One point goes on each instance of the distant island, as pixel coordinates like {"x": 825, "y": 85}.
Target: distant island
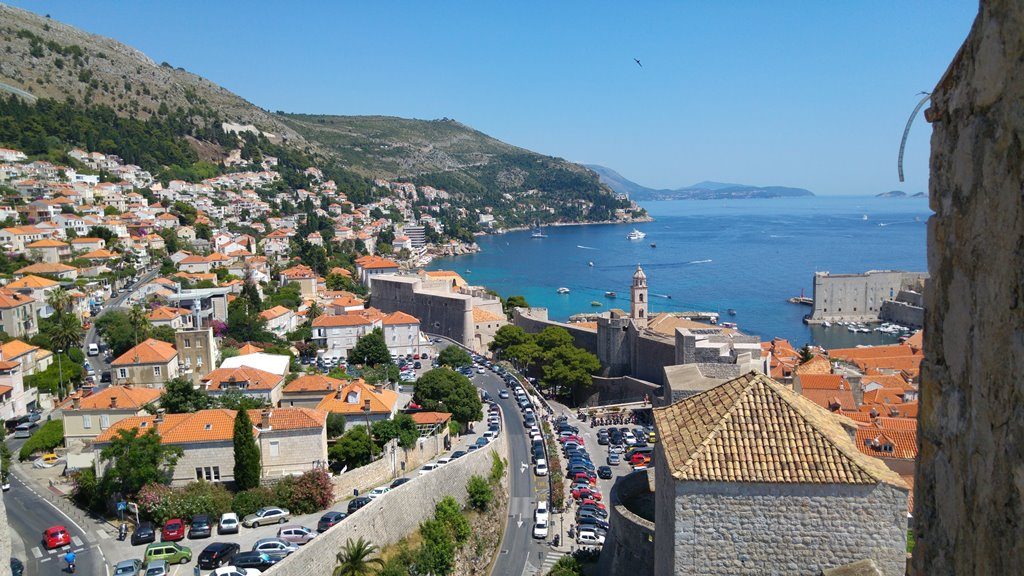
{"x": 900, "y": 194}
{"x": 700, "y": 191}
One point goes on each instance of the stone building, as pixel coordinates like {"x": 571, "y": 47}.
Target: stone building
{"x": 150, "y": 363}
{"x": 860, "y": 297}
{"x": 751, "y": 478}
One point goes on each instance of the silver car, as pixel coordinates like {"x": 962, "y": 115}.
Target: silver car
{"x": 274, "y": 547}
{"x": 266, "y": 515}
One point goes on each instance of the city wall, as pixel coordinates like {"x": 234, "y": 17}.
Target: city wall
{"x": 629, "y": 546}
{"x": 535, "y": 320}
{"x": 616, "y": 390}
{"x": 450, "y": 315}
{"x": 650, "y": 355}
{"x": 391, "y": 517}
{"x": 859, "y": 297}
{"x": 395, "y": 462}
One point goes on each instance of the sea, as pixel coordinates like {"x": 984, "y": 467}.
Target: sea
{"x": 711, "y": 255}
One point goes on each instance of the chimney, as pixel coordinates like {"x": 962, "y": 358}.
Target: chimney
{"x": 159, "y": 415}
{"x": 113, "y": 401}
{"x": 76, "y": 402}
{"x": 265, "y": 420}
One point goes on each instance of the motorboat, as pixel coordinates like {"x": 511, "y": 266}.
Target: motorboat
{"x": 563, "y": 290}
{"x": 538, "y": 233}
{"x": 636, "y": 235}
{"x": 653, "y": 245}
{"x": 595, "y": 304}
{"x": 591, "y": 263}
{"x": 610, "y": 294}
{"x": 731, "y": 311}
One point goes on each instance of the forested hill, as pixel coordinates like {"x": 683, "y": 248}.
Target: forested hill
{"x": 58, "y": 62}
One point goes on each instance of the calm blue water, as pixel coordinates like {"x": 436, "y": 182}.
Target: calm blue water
{"x": 750, "y": 255}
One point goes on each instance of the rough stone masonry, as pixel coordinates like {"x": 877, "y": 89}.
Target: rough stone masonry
{"x": 969, "y": 506}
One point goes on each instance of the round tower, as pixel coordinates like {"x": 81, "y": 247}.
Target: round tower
{"x": 638, "y": 298}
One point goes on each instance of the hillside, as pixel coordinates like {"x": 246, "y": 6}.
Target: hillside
{"x": 701, "y": 191}
{"x": 50, "y": 60}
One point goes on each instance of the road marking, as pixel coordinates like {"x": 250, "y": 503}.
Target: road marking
{"x": 76, "y": 540}
{"x": 37, "y": 553}
{"x": 47, "y": 559}
{"x": 102, "y": 534}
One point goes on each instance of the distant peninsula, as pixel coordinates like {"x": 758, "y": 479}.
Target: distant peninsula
{"x": 700, "y": 191}
{"x": 900, "y": 194}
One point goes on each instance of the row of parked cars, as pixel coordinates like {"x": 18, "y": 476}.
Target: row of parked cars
{"x": 591, "y": 513}
{"x": 632, "y": 446}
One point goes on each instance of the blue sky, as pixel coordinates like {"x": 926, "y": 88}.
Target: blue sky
{"x": 809, "y": 94}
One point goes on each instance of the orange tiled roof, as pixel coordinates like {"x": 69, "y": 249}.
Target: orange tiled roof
{"x": 347, "y": 301}
{"x": 215, "y": 425}
{"x": 381, "y": 401}
{"x": 854, "y": 354}
{"x": 45, "y": 268}
{"x": 149, "y": 351}
{"x": 830, "y": 399}
{"x": 823, "y": 382}
{"x": 916, "y": 341}
{"x": 299, "y": 271}
{"x": 275, "y": 312}
{"x": 33, "y": 283}
{"x": 753, "y": 429}
{"x": 47, "y": 243}
{"x": 15, "y": 348}
{"x": 324, "y": 321}
{"x": 249, "y": 348}
{"x": 313, "y": 383}
{"x": 886, "y": 381}
{"x": 11, "y": 299}
{"x": 126, "y": 398}
{"x": 101, "y": 254}
{"x": 910, "y": 365}
{"x": 375, "y": 262}
{"x": 167, "y": 313}
{"x": 482, "y": 315}
{"x": 816, "y": 365}
{"x": 255, "y": 379}
{"x": 884, "y": 396}
{"x": 400, "y": 317}
{"x": 887, "y": 443}
{"x": 430, "y": 418}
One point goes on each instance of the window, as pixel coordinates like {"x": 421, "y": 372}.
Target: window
{"x": 104, "y": 421}
{"x": 156, "y": 371}
{"x": 86, "y": 421}
{"x": 188, "y": 343}
{"x": 274, "y": 447}
{"x": 122, "y": 372}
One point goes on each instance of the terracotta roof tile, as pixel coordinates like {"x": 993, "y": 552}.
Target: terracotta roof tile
{"x": 254, "y": 379}
{"x": 381, "y": 401}
{"x": 33, "y": 283}
{"x": 125, "y": 398}
{"x": 430, "y": 418}
{"x": 15, "y": 348}
{"x": 313, "y": 383}
{"x": 325, "y": 321}
{"x": 482, "y": 315}
{"x": 275, "y": 312}
{"x": 823, "y": 382}
{"x": 753, "y": 429}
{"x": 400, "y": 317}
{"x": 149, "y": 351}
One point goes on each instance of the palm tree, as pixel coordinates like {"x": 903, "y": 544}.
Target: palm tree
{"x": 355, "y": 559}
{"x": 59, "y": 300}
{"x": 139, "y": 323}
{"x": 66, "y": 333}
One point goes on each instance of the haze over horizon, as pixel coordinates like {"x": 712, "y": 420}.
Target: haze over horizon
{"x": 803, "y": 95}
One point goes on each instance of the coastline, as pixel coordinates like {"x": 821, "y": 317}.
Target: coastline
{"x": 561, "y": 224}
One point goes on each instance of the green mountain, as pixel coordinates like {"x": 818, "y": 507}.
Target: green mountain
{"x": 50, "y": 61}
{"x": 706, "y": 190}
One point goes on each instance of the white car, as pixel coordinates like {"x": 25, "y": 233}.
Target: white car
{"x": 589, "y": 538}
{"x": 540, "y": 529}
{"x": 429, "y": 468}
{"x": 534, "y": 430}
{"x": 378, "y": 492}
{"x": 232, "y": 571}
{"x": 541, "y": 468}
{"x": 490, "y": 434}
{"x": 541, "y": 513}
{"x": 228, "y": 523}
{"x": 443, "y": 461}
{"x": 536, "y": 437}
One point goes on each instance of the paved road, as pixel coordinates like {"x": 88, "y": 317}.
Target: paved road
{"x": 91, "y": 337}
{"x": 28, "y": 514}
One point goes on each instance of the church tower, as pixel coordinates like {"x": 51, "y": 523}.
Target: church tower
{"x": 638, "y": 298}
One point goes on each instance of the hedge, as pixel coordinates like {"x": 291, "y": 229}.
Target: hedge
{"x": 48, "y": 437}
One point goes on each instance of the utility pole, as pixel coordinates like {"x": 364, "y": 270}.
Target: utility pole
{"x": 369, "y": 431}
{"x": 60, "y": 375}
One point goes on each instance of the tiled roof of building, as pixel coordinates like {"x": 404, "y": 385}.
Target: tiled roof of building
{"x": 253, "y": 378}
{"x": 350, "y": 398}
{"x": 375, "y": 262}
{"x": 886, "y": 381}
{"x": 823, "y": 382}
{"x": 167, "y": 313}
{"x": 119, "y": 398}
{"x": 818, "y": 364}
{"x": 916, "y": 341}
{"x": 101, "y": 254}
{"x": 909, "y": 365}
{"x": 149, "y": 351}
{"x": 483, "y": 315}
{"x": 11, "y": 299}
{"x": 325, "y": 321}
{"x": 831, "y": 400}
{"x": 45, "y": 268}
{"x": 668, "y": 323}
{"x": 33, "y": 283}
{"x": 753, "y": 429}
{"x": 853, "y": 354}
{"x": 397, "y": 318}
{"x": 15, "y": 348}
{"x": 887, "y": 443}
{"x": 313, "y": 383}
{"x": 214, "y": 425}
{"x": 299, "y": 271}
{"x": 275, "y": 312}
{"x": 347, "y": 301}
{"x": 430, "y": 418}
{"x": 47, "y": 243}
{"x": 249, "y": 348}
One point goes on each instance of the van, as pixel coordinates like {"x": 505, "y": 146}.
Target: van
{"x": 94, "y": 349}
{"x": 171, "y": 552}
{"x": 25, "y": 430}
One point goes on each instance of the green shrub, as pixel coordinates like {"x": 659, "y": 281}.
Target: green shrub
{"x": 186, "y": 502}
{"x": 497, "y": 468}
{"x": 313, "y": 491}
{"x": 248, "y": 501}
{"x": 48, "y": 437}
{"x": 86, "y": 492}
{"x": 480, "y": 492}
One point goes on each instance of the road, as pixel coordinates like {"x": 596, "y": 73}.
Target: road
{"x": 91, "y": 337}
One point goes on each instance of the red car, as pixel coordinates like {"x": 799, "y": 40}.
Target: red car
{"x": 575, "y": 439}
{"x": 639, "y": 459}
{"x": 55, "y": 537}
{"x": 586, "y": 493}
{"x": 584, "y": 477}
{"x": 591, "y": 502}
{"x": 173, "y": 530}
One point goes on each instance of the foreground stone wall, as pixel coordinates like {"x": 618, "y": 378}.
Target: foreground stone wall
{"x": 615, "y": 391}
{"x": 796, "y": 529}
{"x": 394, "y": 463}
{"x": 629, "y": 546}
{"x": 969, "y": 504}
{"x": 394, "y": 515}
{"x": 447, "y": 314}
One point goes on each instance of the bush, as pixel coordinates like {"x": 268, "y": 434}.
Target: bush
{"x": 480, "y": 492}
{"x": 335, "y": 424}
{"x": 449, "y": 512}
{"x": 248, "y": 501}
{"x": 497, "y": 468}
{"x": 86, "y": 492}
{"x": 161, "y": 503}
{"x": 313, "y": 492}
{"x": 48, "y": 437}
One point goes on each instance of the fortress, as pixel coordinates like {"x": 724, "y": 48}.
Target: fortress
{"x": 637, "y": 350}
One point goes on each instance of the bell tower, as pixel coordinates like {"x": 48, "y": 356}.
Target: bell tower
{"x": 638, "y": 298}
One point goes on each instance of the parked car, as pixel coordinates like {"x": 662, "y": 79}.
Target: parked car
{"x": 266, "y": 515}
{"x": 156, "y": 568}
{"x": 399, "y": 481}
{"x": 595, "y": 522}
{"x": 503, "y": 394}
{"x": 541, "y": 468}
{"x": 228, "y": 523}
{"x": 127, "y": 568}
{"x": 173, "y": 530}
{"x": 94, "y": 349}
{"x": 217, "y": 554}
{"x": 296, "y": 534}
{"x": 379, "y": 491}
{"x": 589, "y": 538}
{"x": 357, "y": 503}
{"x": 274, "y": 546}
{"x": 170, "y": 552}
{"x": 614, "y": 459}
{"x": 254, "y": 560}
{"x": 540, "y": 529}
{"x": 604, "y": 472}
{"x": 144, "y": 534}
{"x": 329, "y": 519}
{"x": 429, "y": 467}
{"x": 457, "y": 454}
{"x": 235, "y": 571}
{"x": 200, "y": 527}
{"x": 55, "y": 537}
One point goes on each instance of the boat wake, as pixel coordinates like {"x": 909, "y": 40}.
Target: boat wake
{"x": 698, "y": 261}
{"x": 585, "y": 247}
{"x": 884, "y": 224}
{"x": 662, "y": 296}
{"x": 779, "y": 236}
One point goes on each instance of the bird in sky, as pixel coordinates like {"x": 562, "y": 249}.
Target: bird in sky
{"x": 637, "y": 60}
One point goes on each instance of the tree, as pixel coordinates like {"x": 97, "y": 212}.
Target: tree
{"x": 351, "y": 450}
{"x": 181, "y": 397}
{"x": 245, "y": 323}
{"x": 138, "y": 459}
{"x": 370, "y": 349}
{"x": 568, "y": 367}
{"x": 401, "y": 426}
{"x": 247, "y": 454}
{"x": 116, "y": 330}
{"x": 335, "y": 424}
{"x": 552, "y": 337}
{"x": 480, "y": 492}
{"x": 513, "y": 302}
{"x": 437, "y": 554}
{"x": 454, "y": 356}
{"x": 59, "y": 300}
{"x": 236, "y": 400}
{"x": 139, "y": 323}
{"x": 444, "y": 390}
{"x": 524, "y": 355}
{"x": 313, "y": 312}
{"x": 566, "y": 566}
{"x": 250, "y": 292}
{"x": 66, "y": 332}
{"x": 163, "y": 333}
{"x": 356, "y": 559}
{"x": 448, "y": 511}
{"x": 506, "y": 337}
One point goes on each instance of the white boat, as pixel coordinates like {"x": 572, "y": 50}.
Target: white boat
{"x": 591, "y": 264}
{"x": 538, "y": 233}
{"x": 827, "y": 324}
{"x": 636, "y": 235}
{"x": 563, "y": 290}
{"x": 865, "y": 217}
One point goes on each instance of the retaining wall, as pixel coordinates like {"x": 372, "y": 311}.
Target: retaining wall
{"x": 535, "y": 320}
{"x": 391, "y": 517}
{"x": 616, "y": 391}
{"x": 395, "y": 463}
{"x": 629, "y": 546}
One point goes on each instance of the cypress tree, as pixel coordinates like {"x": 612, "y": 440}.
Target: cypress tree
{"x": 247, "y": 454}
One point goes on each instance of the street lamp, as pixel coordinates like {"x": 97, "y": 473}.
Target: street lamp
{"x": 369, "y": 431}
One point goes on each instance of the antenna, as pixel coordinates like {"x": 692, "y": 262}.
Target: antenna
{"x": 906, "y": 130}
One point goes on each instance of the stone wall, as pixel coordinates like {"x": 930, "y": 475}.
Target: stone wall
{"x": 858, "y": 297}
{"x": 534, "y": 320}
{"x": 616, "y": 391}
{"x": 447, "y": 314}
{"x": 629, "y": 546}
{"x": 5, "y": 540}
{"x": 902, "y": 313}
{"x": 395, "y": 462}
{"x": 798, "y": 529}
{"x": 650, "y": 355}
{"x": 394, "y": 515}
{"x": 970, "y": 478}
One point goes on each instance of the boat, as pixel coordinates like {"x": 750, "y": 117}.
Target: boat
{"x": 731, "y": 311}
{"x": 591, "y": 263}
{"x": 653, "y": 245}
{"x": 538, "y": 233}
{"x": 610, "y": 294}
{"x": 865, "y": 217}
{"x": 595, "y": 303}
{"x": 636, "y": 235}
{"x": 563, "y": 290}
{"x": 826, "y": 324}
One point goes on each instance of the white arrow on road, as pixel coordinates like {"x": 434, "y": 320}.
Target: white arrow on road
{"x": 519, "y": 522}
{"x": 523, "y": 466}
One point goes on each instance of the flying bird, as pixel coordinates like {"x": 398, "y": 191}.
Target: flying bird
{"x": 637, "y": 60}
